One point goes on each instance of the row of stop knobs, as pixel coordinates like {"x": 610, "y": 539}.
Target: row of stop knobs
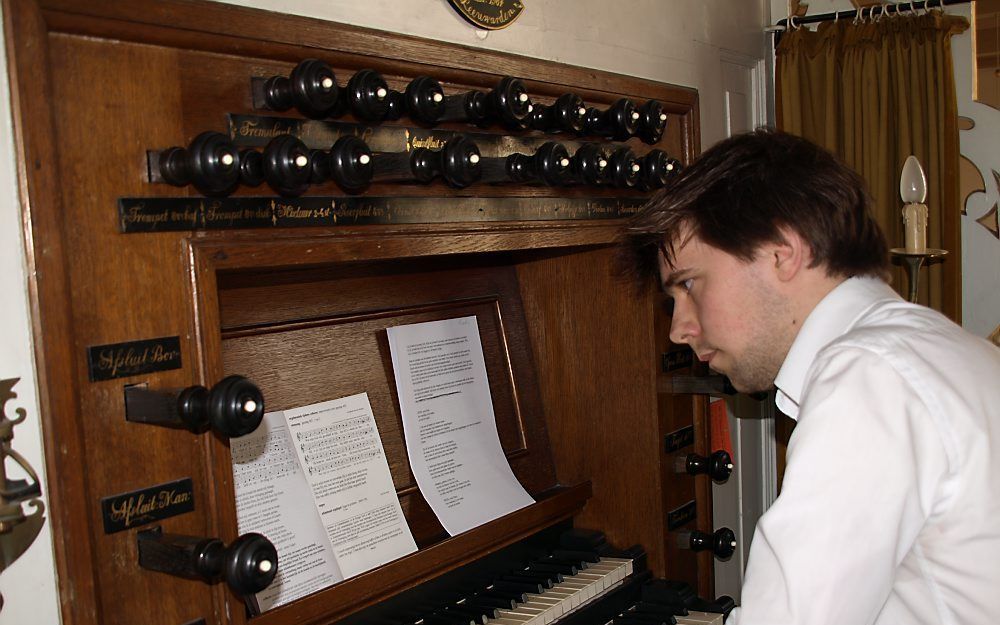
{"x": 215, "y": 167}
{"x": 312, "y": 89}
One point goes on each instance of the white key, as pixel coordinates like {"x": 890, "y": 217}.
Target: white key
{"x": 700, "y": 618}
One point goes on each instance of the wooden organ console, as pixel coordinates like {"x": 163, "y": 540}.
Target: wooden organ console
{"x": 226, "y": 208}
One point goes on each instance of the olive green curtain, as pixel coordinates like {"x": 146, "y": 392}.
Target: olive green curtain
{"x": 873, "y": 93}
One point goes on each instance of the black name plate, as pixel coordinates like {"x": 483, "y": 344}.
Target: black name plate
{"x": 120, "y": 360}
{"x": 678, "y": 439}
{"x": 159, "y": 214}
{"x": 677, "y": 359}
{"x": 678, "y": 517}
{"x": 489, "y": 14}
{"x": 128, "y": 510}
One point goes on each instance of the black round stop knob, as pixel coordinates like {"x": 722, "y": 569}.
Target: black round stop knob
{"x": 718, "y": 466}
{"x": 234, "y": 407}
{"x": 509, "y": 103}
{"x": 657, "y": 169}
{"x": 250, "y": 564}
{"x": 566, "y": 114}
{"x": 466, "y": 107}
{"x": 623, "y": 168}
{"x": 369, "y": 95}
{"x": 458, "y": 162}
{"x": 620, "y": 121}
{"x": 424, "y": 100}
{"x": 350, "y": 163}
{"x": 287, "y": 165}
{"x": 550, "y": 165}
{"x": 589, "y": 165}
{"x": 311, "y": 88}
{"x": 722, "y": 542}
{"x": 210, "y": 163}
{"x": 652, "y": 122}
{"x": 251, "y": 167}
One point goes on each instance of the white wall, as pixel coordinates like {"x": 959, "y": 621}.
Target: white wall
{"x": 675, "y": 41}
{"x": 29, "y": 585}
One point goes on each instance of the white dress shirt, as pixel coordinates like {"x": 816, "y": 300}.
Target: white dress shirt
{"x": 889, "y": 511}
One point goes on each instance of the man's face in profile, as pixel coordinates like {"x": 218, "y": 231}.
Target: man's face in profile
{"x": 726, "y": 310}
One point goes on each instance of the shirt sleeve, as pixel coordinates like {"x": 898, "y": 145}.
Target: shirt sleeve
{"x": 864, "y": 466}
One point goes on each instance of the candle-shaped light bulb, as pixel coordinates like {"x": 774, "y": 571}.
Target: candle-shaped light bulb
{"x": 913, "y": 191}
{"x": 912, "y": 183}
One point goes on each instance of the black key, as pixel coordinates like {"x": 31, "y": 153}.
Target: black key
{"x": 552, "y": 566}
{"x": 528, "y": 576}
{"x": 579, "y": 564}
{"x": 476, "y": 616}
{"x": 490, "y": 603}
{"x": 487, "y": 612}
{"x": 516, "y": 596}
{"x": 571, "y": 554}
{"x": 632, "y": 619}
{"x": 523, "y": 586}
{"x": 443, "y": 619}
{"x": 662, "y": 608}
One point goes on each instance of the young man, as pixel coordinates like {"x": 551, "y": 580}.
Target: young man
{"x": 889, "y": 511}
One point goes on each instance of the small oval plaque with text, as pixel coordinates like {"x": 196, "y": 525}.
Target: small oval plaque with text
{"x": 489, "y": 14}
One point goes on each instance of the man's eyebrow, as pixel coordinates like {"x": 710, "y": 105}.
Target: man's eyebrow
{"x": 676, "y": 276}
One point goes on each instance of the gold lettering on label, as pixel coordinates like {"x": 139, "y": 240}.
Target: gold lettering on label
{"x": 251, "y": 128}
{"x": 127, "y": 359}
{"x": 428, "y": 142}
{"x": 136, "y": 215}
{"x": 293, "y": 211}
{"x": 136, "y": 508}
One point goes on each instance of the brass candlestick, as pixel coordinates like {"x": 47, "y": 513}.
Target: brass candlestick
{"x": 913, "y": 261}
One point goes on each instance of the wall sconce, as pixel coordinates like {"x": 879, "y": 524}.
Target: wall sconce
{"x": 17, "y": 529}
{"x": 914, "y": 253}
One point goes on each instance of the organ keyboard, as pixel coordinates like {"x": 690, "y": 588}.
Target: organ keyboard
{"x": 570, "y": 577}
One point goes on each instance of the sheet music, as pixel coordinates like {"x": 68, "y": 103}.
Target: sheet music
{"x": 450, "y": 427}
{"x": 270, "y": 491}
{"x": 339, "y": 449}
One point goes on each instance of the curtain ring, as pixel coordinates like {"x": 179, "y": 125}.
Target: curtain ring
{"x": 857, "y": 16}
{"x": 791, "y": 22}
{"x": 836, "y": 16}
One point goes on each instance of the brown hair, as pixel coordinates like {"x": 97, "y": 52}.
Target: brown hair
{"x": 737, "y": 194}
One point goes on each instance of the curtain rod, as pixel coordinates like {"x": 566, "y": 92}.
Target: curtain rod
{"x": 902, "y": 5}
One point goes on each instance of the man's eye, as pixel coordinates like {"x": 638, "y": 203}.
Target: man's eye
{"x": 686, "y": 284}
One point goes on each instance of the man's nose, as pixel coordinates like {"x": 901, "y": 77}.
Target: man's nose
{"x": 683, "y": 325}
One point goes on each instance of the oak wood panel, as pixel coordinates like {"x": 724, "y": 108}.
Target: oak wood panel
{"x": 593, "y": 348}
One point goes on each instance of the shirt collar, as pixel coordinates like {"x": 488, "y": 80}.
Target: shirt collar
{"x": 832, "y": 317}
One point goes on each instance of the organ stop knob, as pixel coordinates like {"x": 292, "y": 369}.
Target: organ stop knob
{"x": 248, "y": 565}
{"x": 211, "y": 163}
{"x": 722, "y": 542}
{"x": 718, "y": 466}
{"x": 311, "y": 88}
{"x": 233, "y": 407}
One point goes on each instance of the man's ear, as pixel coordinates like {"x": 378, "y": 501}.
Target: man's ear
{"x": 789, "y": 256}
